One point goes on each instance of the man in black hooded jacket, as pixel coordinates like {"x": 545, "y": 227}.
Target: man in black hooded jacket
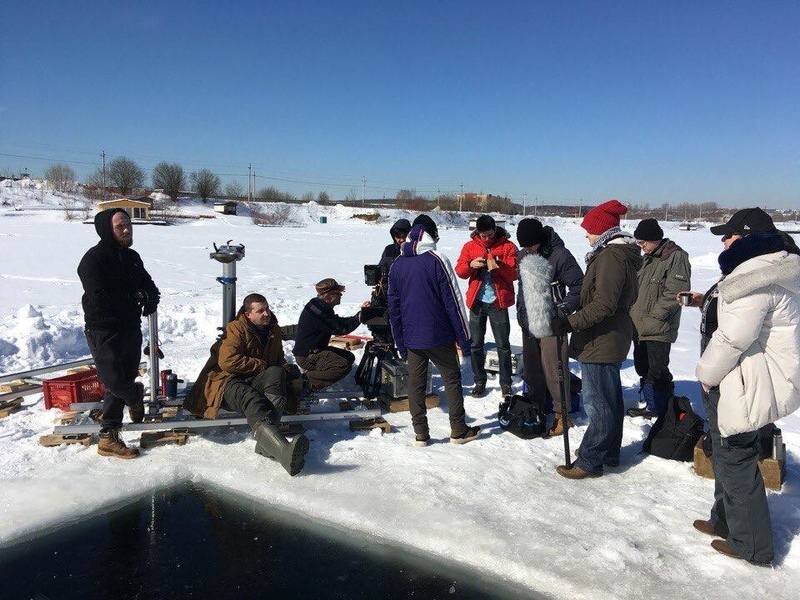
{"x": 117, "y": 292}
{"x": 399, "y": 233}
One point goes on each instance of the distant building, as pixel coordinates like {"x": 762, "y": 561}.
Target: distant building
{"x": 138, "y": 208}
{"x": 226, "y": 207}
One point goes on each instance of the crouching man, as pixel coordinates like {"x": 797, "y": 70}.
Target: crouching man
{"x": 249, "y": 376}
{"x": 117, "y": 292}
{"x": 324, "y": 364}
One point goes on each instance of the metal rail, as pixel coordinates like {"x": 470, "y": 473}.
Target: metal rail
{"x": 42, "y": 370}
{"x": 211, "y": 423}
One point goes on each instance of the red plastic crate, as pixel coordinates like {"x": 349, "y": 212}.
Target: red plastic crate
{"x": 83, "y": 386}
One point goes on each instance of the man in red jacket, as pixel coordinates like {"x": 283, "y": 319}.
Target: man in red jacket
{"x": 489, "y": 261}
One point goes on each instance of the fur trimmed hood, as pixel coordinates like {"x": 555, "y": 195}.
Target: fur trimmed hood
{"x": 535, "y": 301}
{"x": 777, "y": 268}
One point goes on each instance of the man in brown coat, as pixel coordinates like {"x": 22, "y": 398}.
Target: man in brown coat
{"x": 247, "y": 373}
{"x": 602, "y": 335}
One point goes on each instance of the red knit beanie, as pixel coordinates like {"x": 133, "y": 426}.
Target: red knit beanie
{"x": 602, "y": 218}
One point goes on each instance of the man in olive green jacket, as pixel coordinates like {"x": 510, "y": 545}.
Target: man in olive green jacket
{"x": 656, "y": 316}
{"x": 601, "y": 336}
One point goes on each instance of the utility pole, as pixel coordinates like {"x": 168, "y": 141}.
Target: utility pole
{"x": 461, "y": 199}
{"x": 524, "y": 202}
{"x": 364, "y": 193}
{"x": 535, "y": 205}
{"x": 250, "y": 182}
{"x": 254, "y": 185}
{"x": 666, "y": 212}
{"x": 103, "y": 155}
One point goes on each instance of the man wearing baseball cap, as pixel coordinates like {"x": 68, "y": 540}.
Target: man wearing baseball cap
{"x": 322, "y": 363}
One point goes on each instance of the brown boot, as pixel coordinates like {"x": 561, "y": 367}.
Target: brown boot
{"x": 111, "y": 445}
{"x": 707, "y": 528}
{"x": 575, "y": 472}
{"x": 723, "y": 547}
{"x": 558, "y": 426}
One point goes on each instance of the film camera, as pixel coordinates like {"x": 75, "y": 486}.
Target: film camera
{"x": 376, "y": 317}
{"x": 381, "y": 372}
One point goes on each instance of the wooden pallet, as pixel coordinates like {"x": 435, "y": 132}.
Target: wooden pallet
{"x": 366, "y": 424}
{"x": 401, "y": 404}
{"x": 10, "y": 406}
{"x": 773, "y": 471}
{"x": 84, "y": 439}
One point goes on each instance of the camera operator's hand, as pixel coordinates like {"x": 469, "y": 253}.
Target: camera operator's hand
{"x": 366, "y": 304}
{"x": 477, "y": 263}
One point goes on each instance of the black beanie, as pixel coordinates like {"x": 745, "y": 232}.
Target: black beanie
{"x": 530, "y": 232}
{"x": 428, "y": 225}
{"x": 484, "y": 223}
{"x": 648, "y": 230}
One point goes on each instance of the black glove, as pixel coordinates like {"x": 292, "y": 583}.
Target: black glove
{"x": 149, "y": 308}
{"x": 148, "y": 303}
{"x": 560, "y": 325}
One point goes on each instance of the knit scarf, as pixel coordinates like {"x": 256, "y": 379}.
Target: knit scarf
{"x": 604, "y": 238}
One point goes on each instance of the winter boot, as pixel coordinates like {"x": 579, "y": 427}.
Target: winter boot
{"x": 136, "y": 410}
{"x": 708, "y": 528}
{"x": 558, "y": 426}
{"x": 111, "y": 445}
{"x": 641, "y": 412}
{"x": 469, "y": 434}
{"x": 575, "y": 472}
{"x": 271, "y": 443}
{"x": 479, "y": 389}
{"x": 422, "y": 439}
{"x": 506, "y": 390}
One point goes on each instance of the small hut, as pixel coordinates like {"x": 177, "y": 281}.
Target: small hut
{"x": 226, "y": 207}
{"x": 138, "y": 208}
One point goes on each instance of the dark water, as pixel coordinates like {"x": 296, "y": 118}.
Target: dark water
{"x": 203, "y": 543}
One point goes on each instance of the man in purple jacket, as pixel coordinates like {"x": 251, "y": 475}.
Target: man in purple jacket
{"x": 427, "y": 317}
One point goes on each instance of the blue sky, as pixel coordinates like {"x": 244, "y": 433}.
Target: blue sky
{"x": 565, "y": 101}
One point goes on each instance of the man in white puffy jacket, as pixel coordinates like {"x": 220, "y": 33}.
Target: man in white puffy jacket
{"x": 751, "y": 372}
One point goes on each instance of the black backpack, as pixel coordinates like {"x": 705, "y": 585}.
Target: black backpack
{"x": 522, "y": 417}
{"x": 675, "y": 433}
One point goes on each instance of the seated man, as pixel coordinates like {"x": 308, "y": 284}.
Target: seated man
{"x": 247, "y": 373}
{"x": 323, "y": 364}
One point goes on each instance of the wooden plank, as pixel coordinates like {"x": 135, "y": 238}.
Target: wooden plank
{"x": 346, "y": 342}
{"x": 10, "y": 406}
{"x": 366, "y": 424}
{"x": 49, "y": 441}
{"x": 150, "y": 439}
{"x": 773, "y": 471}
{"x": 401, "y": 404}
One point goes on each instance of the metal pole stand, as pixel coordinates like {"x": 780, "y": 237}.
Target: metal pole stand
{"x": 228, "y": 254}
{"x": 155, "y": 383}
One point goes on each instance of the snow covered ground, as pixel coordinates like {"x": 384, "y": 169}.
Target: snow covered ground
{"x": 495, "y": 505}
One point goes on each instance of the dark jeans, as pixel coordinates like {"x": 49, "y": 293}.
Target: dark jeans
{"x": 259, "y": 398}
{"x": 651, "y": 360}
{"x": 116, "y": 355}
{"x": 446, "y": 360}
{"x": 540, "y": 369}
{"x": 501, "y": 328}
{"x": 740, "y": 512}
{"x": 602, "y": 399}
{"x": 326, "y": 367}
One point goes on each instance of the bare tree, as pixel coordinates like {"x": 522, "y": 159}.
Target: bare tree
{"x": 234, "y": 189}
{"x": 307, "y": 197}
{"x": 61, "y": 177}
{"x": 273, "y": 194}
{"x": 351, "y": 196}
{"x": 125, "y": 174}
{"x": 205, "y": 183}
{"x": 170, "y": 178}
{"x": 270, "y": 217}
{"x": 323, "y": 198}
